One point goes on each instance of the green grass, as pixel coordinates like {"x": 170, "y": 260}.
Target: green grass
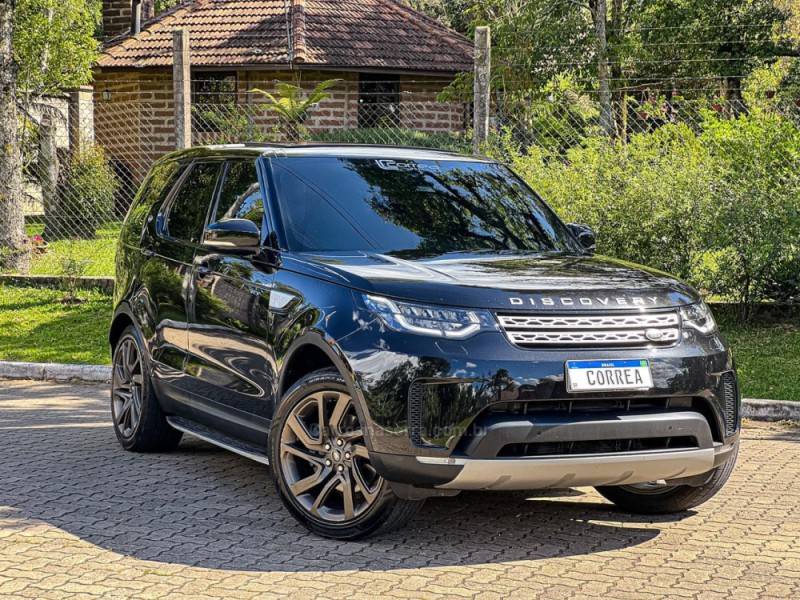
{"x": 767, "y": 354}
{"x": 36, "y": 326}
{"x": 98, "y": 253}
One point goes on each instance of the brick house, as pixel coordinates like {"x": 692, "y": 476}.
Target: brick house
{"x": 392, "y": 61}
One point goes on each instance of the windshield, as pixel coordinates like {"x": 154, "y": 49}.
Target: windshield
{"x": 411, "y": 207}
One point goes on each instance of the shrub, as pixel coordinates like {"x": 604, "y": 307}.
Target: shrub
{"x": 754, "y": 221}
{"x": 644, "y": 198}
{"x": 72, "y": 268}
{"x": 718, "y": 205}
{"x": 396, "y": 136}
{"x": 85, "y": 197}
{"x": 226, "y": 124}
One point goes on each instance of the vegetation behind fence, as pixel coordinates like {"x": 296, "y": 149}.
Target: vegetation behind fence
{"x": 700, "y": 185}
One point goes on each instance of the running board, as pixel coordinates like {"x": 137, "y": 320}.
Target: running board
{"x": 239, "y": 447}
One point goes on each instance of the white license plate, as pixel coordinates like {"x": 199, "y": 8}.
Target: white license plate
{"x": 608, "y": 375}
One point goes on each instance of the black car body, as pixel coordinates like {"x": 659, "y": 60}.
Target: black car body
{"x": 456, "y": 361}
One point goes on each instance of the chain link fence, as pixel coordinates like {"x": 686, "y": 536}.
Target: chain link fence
{"x": 690, "y": 156}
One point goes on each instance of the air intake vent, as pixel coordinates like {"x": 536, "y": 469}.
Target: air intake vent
{"x": 415, "y": 397}
{"x": 730, "y": 396}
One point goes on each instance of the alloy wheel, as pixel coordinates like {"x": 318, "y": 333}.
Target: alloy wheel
{"x": 650, "y": 488}
{"x": 324, "y": 460}
{"x": 126, "y": 388}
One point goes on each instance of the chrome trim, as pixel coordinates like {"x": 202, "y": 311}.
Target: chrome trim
{"x": 591, "y": 330}
{"x": 589, "y": 322}
{"x": 578, "y": 470}
{"x": 594, "y": 338}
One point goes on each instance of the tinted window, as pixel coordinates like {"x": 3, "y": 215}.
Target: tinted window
{"x": 153, "y": 191}
{"x": 240, "y": 196}
{"x": 187, "y": 214}
{"x": 411, "y": 207}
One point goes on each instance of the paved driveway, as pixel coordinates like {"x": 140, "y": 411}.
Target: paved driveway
{"x": 81, "y": 518}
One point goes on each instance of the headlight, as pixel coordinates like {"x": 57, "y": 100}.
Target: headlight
{"x": 439, "y": 321}
{"x": 698, "y": 317}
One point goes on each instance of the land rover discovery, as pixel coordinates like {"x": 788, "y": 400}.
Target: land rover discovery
{"x": 381, "y": 325}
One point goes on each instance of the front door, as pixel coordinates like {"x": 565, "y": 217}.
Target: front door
{"x": 166, "y": 270}
{"x": 230, "y": 362}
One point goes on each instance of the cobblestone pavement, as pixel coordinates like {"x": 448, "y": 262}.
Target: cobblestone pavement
{"x": 81, "y": 518}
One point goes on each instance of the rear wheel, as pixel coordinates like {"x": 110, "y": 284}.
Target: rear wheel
{"x": 139, "y": 423}
{"x": 321, "y": 465}
{"x": 654, "y": 498}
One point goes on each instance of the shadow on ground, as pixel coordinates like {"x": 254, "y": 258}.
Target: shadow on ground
{"x": 60, "y": 464}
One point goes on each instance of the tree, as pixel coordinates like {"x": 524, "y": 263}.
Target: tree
{"x": 293, "y": 106}
{"x": 14, "y": 253}
{"x": 685, "y": 43}
{"x": 618, "y": 49}
{"x": 455, "y": 14}
{"x": 54, "y": 44}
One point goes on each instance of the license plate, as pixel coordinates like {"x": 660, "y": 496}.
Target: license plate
{"x": 608, "y": 375}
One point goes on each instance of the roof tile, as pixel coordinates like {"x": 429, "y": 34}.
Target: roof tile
{"x": 360, "y": 34}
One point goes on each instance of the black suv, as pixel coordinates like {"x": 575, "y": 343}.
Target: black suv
{"x": 381, "y": 325}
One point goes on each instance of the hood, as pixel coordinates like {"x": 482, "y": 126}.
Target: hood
{"x": 505, "y": 281}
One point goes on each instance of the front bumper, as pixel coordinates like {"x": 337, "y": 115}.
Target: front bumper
{"x": 576, "y": 471}
{"x": 443, "y": 413}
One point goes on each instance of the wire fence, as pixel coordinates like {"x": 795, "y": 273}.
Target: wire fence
{"x": 79, "y": 187}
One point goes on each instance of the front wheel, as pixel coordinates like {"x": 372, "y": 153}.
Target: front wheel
{"x": 321, "y": 465}
{"x": 652, "y": 498}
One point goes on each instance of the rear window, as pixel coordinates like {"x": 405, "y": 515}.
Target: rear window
{"x": 188, "y": 210}
{"x": 411, "y": 207}
{"x": 153, "y": 191}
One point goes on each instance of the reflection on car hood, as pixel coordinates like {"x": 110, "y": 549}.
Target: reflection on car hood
{"x": 513, "y": 281}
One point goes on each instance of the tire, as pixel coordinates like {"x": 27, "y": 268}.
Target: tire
{"x": 671, "y": 499}
{"x": 138, "y": 421}
{"x": 314, "y": 476}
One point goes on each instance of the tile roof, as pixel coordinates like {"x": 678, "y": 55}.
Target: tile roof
{"x": 357, "y": 34}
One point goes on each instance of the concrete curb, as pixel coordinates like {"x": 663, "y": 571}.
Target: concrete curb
{"x": 755, "y": 409}
{"x": 106, "y": 284}
{"x": 770, "y": 410}
{"x": 55, "y": 372}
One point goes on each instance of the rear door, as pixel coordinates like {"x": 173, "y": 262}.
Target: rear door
{"x": 230, "y": 362}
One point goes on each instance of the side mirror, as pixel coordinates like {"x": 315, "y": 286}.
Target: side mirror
{"x": 233, "y": 234}
{"x": 585, "y": 236}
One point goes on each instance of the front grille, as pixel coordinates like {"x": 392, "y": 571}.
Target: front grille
{"x": 597, "y": 446}
{"x": 730, "y": 398}
{"x": 661, "y": 329}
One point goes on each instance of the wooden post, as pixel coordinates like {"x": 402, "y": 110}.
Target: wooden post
{"x": 182, "y": 88}
{"x": 81, "y": 119}
{"x": 48, "y": 180}
{"x": 481, "y": 103}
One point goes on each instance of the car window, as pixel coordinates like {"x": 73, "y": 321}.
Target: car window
{"x": 154, "y": 190}
{"x": 411, "y": 208}
{"x": 310, "y": 221}
{"x": 187, "y": 214}
{"x": 240, "y": 195}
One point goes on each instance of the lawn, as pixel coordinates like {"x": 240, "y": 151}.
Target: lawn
{"x": 97, "y": 254}
{"x": 36, "y": 326}
{"x": 767, "y": 355}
